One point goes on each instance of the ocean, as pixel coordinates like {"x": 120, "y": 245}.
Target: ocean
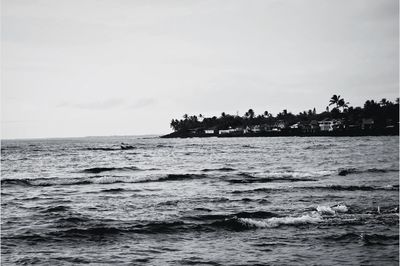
{"x": 200, "y": 201}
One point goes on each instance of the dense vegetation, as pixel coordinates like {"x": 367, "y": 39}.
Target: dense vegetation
{"x": 384, "y": 113}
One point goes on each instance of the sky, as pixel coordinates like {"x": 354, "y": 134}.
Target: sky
{"x": 73, "y": 68}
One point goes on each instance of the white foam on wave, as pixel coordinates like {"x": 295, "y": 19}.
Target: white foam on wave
{"x": 296, "y": 174}
{"x": 320, "y": 173}
{"x": 277, "y": 221}
{"x": 340, "y": 208}
{"x": 326, "y": 210}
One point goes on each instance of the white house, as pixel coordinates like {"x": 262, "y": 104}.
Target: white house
{"x": 209, "y": 131}
{"x": 295, "y": 126}
{"x": 328, "y": 125}
{"x": 230, "y": 131}
{"x": 257, "y": 128}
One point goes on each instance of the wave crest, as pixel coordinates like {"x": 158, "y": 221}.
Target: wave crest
{"x": 97, "y": 170}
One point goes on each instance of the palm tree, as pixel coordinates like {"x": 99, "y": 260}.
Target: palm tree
{"x": 250, "y": 113}
{"x": 384, "y": 102}
{"x": 334, "y": 100}
{"x": 342, "y": 104}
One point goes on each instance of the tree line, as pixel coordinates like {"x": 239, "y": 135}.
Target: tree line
{"x": 384, "y": 113}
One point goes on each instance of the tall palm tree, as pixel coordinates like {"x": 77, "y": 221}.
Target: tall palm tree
{"x": 334, "y": 100}
{"x": 339, "y": 102}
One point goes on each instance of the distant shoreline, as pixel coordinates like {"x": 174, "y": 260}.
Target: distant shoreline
{"x": 347, "y": 133}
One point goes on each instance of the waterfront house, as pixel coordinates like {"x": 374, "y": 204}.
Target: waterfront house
{"x": 326, "y": 124}
{"x": 296, "y": 126}
{"x": 280, "y": 124}
{"x": 257, "y": 128}
{"x": 224, "y": 131}
{"x": 209, "y": 131}
{"x": 230, "y": 131}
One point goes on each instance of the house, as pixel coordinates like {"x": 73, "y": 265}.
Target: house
{"x": 367, "y": 123}
{"x": 230, "y": 131}
{"x": 337, "y": 124}
{"x": 209, "y": 131}
{"x": 326, "y": 124}
{"x": 224, "y": 131}
{"x": 280, "y": 124}
{"x": 296, "y": 126}
{"x": 257, "y": 128}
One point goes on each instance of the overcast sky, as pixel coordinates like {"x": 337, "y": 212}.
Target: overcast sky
{"x": 80, "y": 68}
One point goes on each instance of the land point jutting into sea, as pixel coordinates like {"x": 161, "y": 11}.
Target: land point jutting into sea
{"x": 339, "y": 119}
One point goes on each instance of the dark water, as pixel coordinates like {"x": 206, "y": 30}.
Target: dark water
{"x": 233, "y": 201}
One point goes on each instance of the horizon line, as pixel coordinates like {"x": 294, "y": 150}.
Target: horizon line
{"x": 78, "y": 137}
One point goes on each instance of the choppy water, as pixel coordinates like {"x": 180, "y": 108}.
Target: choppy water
{"x": 227, "y": 201}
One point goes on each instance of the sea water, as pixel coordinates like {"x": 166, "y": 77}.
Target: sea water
{"x": 200, "y": 201}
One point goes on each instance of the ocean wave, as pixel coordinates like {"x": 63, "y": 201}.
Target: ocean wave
{"x": 348, "y": 171}
{"x": 239, "y": 224}
{"x": 103, "y": 149}
{"x": 97, "y": 180}
{"x": 57, "y": 209}
{"x": 244, "y": 214}
{"x": 340, "y": 208}
{"x": 366, "y": 239}
{"x": 320, "y": 146}
{"x": 178, "y": 177}
{"x": 148, "y": 228}
{"x": 113, "y": 190}
{"x": 78, "y": 228}
{"x": 278, "y": 221}
{"x": 378, "y": 239}
{"x": 354, "y": 188}
{"x": 222, "y": 169}
{"x": 268, "y": 180}
{"x": 391, "y": 209}
{"x": 257, "y": 190}
{"x": 285, "y": 176}
{"x": 347, "y": 237}
{"x": 97, "y": 170}
{"x": 16, "y": 182}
